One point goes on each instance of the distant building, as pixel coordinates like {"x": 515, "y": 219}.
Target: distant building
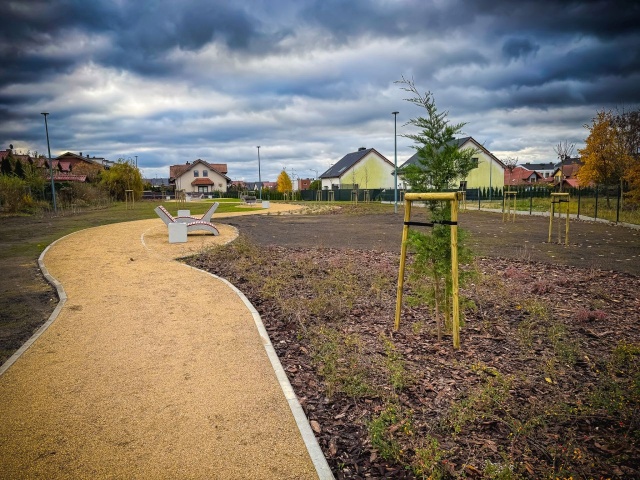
{"x": 521, "y": 176}
{"x": 489, "y": 170}
{"x": 199, "y": 177}
{"x": 364, "y": 169}
{"x": 304, "y": 183}
{"x": 544, "y": 169}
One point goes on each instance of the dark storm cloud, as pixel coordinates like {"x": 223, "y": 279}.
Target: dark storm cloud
{"x": 314, "y": 77}
{"x": 515, "y": 48}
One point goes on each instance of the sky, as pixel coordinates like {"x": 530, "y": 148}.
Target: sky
{"x": 171, "y": 81}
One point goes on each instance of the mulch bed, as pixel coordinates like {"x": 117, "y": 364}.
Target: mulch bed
{"x": 543, "y": 386}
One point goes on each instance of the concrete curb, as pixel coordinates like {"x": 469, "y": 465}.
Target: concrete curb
{"x": 62, "y": 298}
{"x": 310, "y": 441}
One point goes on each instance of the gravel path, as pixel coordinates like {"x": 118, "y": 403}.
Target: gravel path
{"x": 151, "y": 370}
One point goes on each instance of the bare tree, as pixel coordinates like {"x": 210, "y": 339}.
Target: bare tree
{"x": 564, "y": 150}
{"x": 510, "y": 164}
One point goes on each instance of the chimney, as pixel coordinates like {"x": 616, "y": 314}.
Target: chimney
{"x": 362, "y": 148}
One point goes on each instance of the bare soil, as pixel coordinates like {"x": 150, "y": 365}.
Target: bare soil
{"x": 546, "y": 384}
{"x": 591, "y": 244}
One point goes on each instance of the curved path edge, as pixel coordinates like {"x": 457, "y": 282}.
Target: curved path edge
{"x": 62, "y": 298}
{"x": 315, "y": 452}
{"x": 317, "y": 457}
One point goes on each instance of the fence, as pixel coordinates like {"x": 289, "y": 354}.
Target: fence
{"x": 597, "y": 202}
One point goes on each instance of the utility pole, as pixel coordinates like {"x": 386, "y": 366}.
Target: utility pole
{"x": 259, "y": 175}
{"x": 395, "y": 161}
{"x": 53, "y": 186}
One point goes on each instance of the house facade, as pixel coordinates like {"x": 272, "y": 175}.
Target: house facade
{"x": 489, "y": 170}
{"x": 521, "y": 176}
{"x": 72, "y": 165}
{"x": 544, "y": 169}
{"x": 199, "y": 177}
{"x": 363, "y": 169}
{"x": 568, "y": 172}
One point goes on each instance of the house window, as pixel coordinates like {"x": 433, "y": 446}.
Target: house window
{"x": 463, "y": 186}
{"x": 195, "y": 173}
{"x": 203, "y": 188}
{"x": 205, "y": 173}
{"x": 474, "y": 160}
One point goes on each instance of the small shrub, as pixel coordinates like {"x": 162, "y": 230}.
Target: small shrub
{"x": 586, "y": 315}
{"x": 387, "y": 429}
{"x": 541, "y": 287}
{"x": 427, "y": 462}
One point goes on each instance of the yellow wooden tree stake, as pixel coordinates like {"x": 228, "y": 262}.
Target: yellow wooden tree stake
{"x": 454, "y": 198}
{"x": 558, "y": 198}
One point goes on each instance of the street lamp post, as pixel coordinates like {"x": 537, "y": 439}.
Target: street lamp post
{"x": 259, "y": 174}
{"x": 53, "y": 187}
{"x": 395, "y": 161}
{"x": 136, "y": 161}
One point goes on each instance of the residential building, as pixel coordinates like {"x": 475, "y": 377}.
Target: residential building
{"x": 544, "y": 169}
{"x": 521, "y": 176}
{"x": 568, "y": 172}
{"x": 72, "y": 166}
{"x": 199, "y": 177}
{"x": 304, "y": 183}
{"x": 489, "y": 170}
{"x": 364, "y": 169}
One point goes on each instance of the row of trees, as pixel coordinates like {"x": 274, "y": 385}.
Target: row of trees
{"x": 24, "y": 187}
{"x": 612, "y": 152}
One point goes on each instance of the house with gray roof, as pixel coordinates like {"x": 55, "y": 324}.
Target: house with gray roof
{"x": 364, "y": 169}
{"x": 489, "y": 170}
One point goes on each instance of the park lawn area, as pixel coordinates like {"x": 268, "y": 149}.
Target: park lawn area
{"x": 26, "y": 299}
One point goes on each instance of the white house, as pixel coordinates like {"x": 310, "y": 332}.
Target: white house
{"x": 364, "y": 169}
{"x": 199, "y": 177}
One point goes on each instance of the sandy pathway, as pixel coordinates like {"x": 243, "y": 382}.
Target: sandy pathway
{"x": 151, "y": 370}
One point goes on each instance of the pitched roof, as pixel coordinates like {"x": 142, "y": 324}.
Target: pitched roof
{"x": 568, "y": 171}
{"x": 176, "y": 170}
{"x": 348, "y": 161}
{"x": 520, "y": 175}
{"x": 538, "y": 166}
{"x": 413, "y": 160}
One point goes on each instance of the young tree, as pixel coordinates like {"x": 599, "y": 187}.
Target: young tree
{"x": 605, "y": 160}
{"x": 564, "y": 152}
{"x": 283, "y": 183}
{"x": 510, "y": 164}
{"x": 441, "y": 161}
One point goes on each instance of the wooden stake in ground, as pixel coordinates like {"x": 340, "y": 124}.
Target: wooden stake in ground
{"x": 506, "y": 205}
{"x": 558, "y": 198}
{"x": 454, "y": 198}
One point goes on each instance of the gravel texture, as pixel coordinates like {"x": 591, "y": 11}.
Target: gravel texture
{"x": 151, "y": 370}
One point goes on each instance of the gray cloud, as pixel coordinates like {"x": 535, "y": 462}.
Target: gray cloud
{"x": 308, "y": 80}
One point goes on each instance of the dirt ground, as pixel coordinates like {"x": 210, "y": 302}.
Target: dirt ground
{"x": 591, "y": 244}
{"x": 541, "y": 388}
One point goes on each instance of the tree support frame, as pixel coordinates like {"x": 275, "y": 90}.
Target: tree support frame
{"x": 454, "y": 198}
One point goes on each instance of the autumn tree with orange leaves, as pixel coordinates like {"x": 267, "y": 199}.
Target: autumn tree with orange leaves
{"x": 605, "y": 160}
{"x": 283, "y": 184}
